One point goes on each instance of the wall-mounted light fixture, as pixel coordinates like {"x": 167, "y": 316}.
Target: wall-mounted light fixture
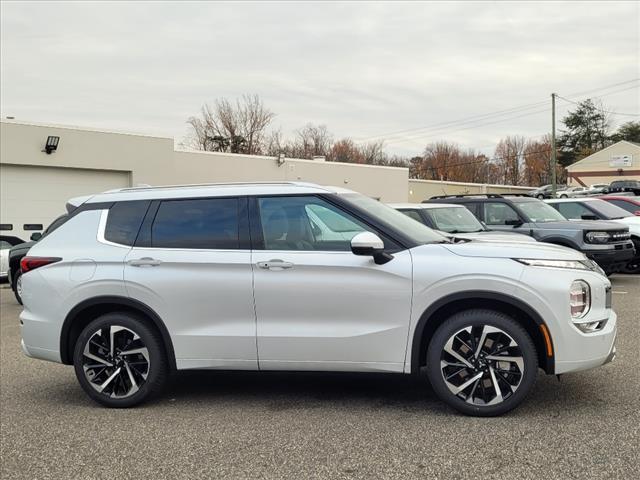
{"x": 52, "y": 144}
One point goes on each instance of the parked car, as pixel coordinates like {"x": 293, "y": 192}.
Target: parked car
{"x": 456, "y": 221}
{"x": 597, "y": 209}
{"x": 570, "y": 192}
{"x": 625, "y": 186}
{"x": 545, "y": 191}
{"x": 6, "y": 242}
{"x": 607, "y": 243}
{"x": 630, "y": 204}
{"x": 598, "y": 188}
{"x": 143, "y": 281}
{"x": 17, "y": 252}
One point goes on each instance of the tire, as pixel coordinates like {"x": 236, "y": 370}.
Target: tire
{"x": 17, "y": 286}
{"x": 120, "y": 380}
{"x": 540, "y": 196}
{"x": 468, "y": 327}
{"x": 564, "y": 196}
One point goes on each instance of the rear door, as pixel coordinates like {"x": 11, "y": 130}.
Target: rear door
{"x": 192, "y": 265}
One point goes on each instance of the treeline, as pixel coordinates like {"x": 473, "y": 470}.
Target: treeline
{"x": 245, "y": 126}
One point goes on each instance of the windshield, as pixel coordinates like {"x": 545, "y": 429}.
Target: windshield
{"x": 540, "y": 212}
{"x": 418, "y": 232}
{"x": 608, "y": 210}
{"x": 454, "y": 220}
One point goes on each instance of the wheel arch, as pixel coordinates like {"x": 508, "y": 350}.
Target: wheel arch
{"x": 563, "y": 242}
{"x": 436, "y": 314}
{"x": 89, "y": 309}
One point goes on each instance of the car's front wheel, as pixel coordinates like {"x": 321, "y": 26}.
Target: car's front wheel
{"x": 119, "y": 360}
{"x": 481, "y": 362}
{"x": 540, "y": 196}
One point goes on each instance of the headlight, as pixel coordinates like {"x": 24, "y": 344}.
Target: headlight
{"x": 579, "y": 298}
{"x": 596, "y": 237}
{"x": 573, "y": 264}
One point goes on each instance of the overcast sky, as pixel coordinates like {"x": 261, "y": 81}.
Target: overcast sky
{"x": 363, "y": 69}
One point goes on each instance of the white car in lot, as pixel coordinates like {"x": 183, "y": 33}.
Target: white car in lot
{"x": 139, "y": 282}
{"x": 456, "y": 221}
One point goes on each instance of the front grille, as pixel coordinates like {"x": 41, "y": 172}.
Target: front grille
{"x": 619, "y": 236}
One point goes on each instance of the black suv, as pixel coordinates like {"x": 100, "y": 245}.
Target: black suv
{"x": 625, "y": 186}
{"x": 607, "y": 243}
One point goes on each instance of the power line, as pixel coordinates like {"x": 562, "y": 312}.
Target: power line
{"x": 600, "y": 109}
{"x": 444, "y": 126}
{"x": 486, "y": 160}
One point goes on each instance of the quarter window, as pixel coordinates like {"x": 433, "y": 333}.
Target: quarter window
{"x": 208, "y": 224}
{"x": 124, "y": 221}
{"x": 306, "y": 223}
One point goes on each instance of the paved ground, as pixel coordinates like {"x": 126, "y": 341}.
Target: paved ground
{"x": 246, "y": 425}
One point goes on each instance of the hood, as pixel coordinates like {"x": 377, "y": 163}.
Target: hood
{"x": 579, "y": 225}
{"x": 540, "y": 251}
{"x": 493, "y": 237}
{"x": 632, "y": 222}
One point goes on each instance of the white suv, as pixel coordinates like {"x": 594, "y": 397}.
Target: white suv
{"x": 289, "y": 276}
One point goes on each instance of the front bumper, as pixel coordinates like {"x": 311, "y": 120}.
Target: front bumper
{"x": 615, "y": 258}
{"x": 584, "y": 351}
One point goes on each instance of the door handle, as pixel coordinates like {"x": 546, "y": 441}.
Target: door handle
{"x": 275, "y": 265}
{"x": 144, "y": 262}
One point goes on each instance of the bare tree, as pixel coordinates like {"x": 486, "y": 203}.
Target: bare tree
{"x": 509, "y": 155}
{"x": 235, "y": 128}
{"x": 311, "y": 140}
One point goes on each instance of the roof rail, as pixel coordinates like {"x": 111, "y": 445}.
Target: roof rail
{"x": 198, "y": 185}
{"x": 485, "y": 195}
{"x": 514, "y": 194}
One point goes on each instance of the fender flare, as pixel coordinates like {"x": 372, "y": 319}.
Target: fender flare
{"x": 461, "y": 296}
{"x": 129, "y": 303}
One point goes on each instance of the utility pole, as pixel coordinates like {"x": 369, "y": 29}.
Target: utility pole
{"x": 553, "y": 145}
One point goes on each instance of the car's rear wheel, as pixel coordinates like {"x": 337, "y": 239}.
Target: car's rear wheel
{"x": 17, "y": 287}
{"x": 119, "y": 360}
{"x": 540, "y": 196}
{"x": 481, "y": 362}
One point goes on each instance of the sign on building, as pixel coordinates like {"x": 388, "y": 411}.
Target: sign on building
{"x": 621, "y": 161}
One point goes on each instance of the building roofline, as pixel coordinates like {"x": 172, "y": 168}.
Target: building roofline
{"x": 84, "y": 129}
{"x": 600, "y": 151}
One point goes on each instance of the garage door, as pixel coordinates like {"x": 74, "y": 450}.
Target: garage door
{"x": 34, "y": 196}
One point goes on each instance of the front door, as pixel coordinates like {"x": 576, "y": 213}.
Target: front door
{"x": 319, "y": 306}
{"x": 195, "y": 272}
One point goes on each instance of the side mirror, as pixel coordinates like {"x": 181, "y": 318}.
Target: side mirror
{"x": 370, "y": 245}
{"x": 513, "y": 223}
{"x": 35, "y": 236}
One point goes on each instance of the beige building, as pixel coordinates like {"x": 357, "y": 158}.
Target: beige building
{"x": 619, "y": 161}
{"x": 34, "y": 185}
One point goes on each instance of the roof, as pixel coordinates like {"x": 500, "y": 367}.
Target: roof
{"x": 212, "y": 190}
{"x": 424, "y": 205}
{"x": 576, "y": 199}
{"x": 587, "y": 159}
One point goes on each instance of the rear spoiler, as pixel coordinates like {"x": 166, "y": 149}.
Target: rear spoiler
{"x": 75, "y": 202}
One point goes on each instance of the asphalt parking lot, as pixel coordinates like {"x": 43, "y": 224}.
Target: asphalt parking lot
{"x": 272, "y": 425}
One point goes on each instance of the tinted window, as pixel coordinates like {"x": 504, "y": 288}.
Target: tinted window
{"x": 124, "y": 222}
{"x": 208, "y": 223}
{"x": 306, "y": 223}
{"x": 608, "y": 210}
{"x": 539, "y": 212}
{"x": 499, "y": 214}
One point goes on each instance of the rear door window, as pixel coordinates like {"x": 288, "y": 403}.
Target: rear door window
{"x": 211, "y": 223}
